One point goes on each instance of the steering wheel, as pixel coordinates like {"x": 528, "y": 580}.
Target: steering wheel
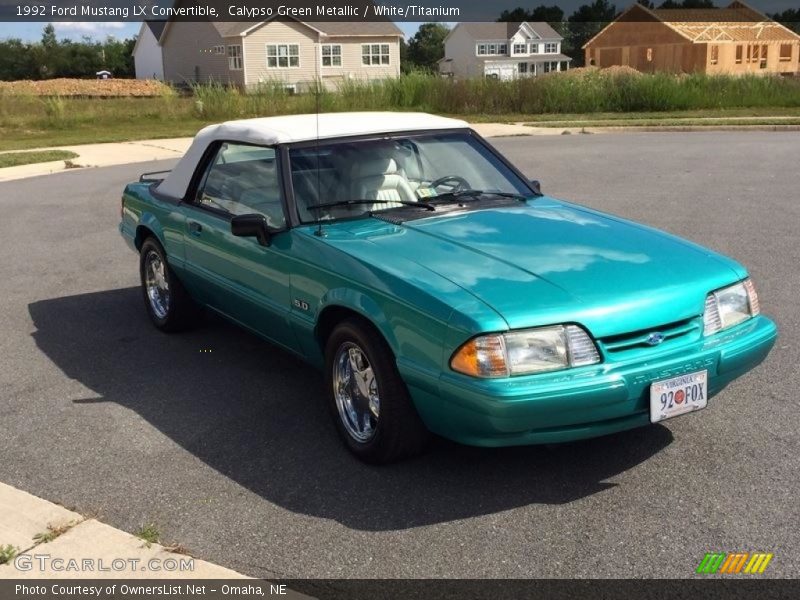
{"x": 454, "y": 182}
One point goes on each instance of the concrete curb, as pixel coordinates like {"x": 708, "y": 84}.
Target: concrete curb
{"x": 101, "y": 155}
{"x": 78, "y": 540}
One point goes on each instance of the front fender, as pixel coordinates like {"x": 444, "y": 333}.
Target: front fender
{"x": 366, "y": 307}
{"x": 308, "y": 327}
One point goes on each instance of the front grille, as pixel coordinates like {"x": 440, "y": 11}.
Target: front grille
{"x": 688, "y": 328}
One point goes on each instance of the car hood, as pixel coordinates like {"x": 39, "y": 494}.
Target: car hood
{"x": 551, "y": 262}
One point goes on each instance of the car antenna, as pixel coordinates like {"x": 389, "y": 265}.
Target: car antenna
{"x": 317, "y": 92}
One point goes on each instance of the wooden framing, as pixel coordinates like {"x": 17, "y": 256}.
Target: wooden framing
{"x": 676, "y": 40}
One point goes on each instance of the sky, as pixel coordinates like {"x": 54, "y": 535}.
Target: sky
{"x": 33, "y": 30}
{"x": 100, "y": 30}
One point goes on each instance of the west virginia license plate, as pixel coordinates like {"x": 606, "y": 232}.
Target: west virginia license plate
{"x": 678, "y": 395}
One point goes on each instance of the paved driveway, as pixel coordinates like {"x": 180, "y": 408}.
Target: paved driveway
{"x": 222, "y": 440}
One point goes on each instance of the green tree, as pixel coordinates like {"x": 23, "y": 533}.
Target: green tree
{"x": 47, "y": 56}
{"x": 51, "y": 57}
{"x": 49, "y": 36}
{"x": 117, "y": 57}
{"x": 552, "y": 15}
{"x": 584, "y": 24}
{"x": 426, "y": 47}
{"x": 16, "y": 60}
{"x": 790, "y": 18}
{"x": 687, "y": 4}
{"x": 541, "y": 14}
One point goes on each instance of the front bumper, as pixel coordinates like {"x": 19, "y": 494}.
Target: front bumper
{"x": 583, "y": 402}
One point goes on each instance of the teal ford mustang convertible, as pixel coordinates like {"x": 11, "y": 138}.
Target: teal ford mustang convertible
{"x": 436, "y": 287}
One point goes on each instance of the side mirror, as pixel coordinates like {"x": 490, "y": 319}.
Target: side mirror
{"x": 252, "y": 225}
{"x": 536, "y": 186}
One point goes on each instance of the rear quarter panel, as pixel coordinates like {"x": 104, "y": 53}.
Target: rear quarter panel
{"x": 145, "y": 214}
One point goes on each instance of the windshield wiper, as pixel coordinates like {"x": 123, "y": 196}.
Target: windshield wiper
{"x": 477, "y": 193}
{"x": 424, "y": 205}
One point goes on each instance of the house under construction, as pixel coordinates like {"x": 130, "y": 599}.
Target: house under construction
{"x": 733, "y": 40}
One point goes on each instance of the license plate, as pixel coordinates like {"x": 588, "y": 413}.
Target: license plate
{"x": 678, "y": 395}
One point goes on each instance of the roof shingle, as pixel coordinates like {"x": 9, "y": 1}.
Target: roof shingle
{"x": 504, "y": 30}
{"x": 328, "y": 28}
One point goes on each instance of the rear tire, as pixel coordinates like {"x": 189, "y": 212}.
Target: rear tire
{"x": 168, "y": 304}
{"x": 368, "y": 400}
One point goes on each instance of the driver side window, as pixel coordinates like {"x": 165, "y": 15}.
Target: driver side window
{"x": 243, "y": 179}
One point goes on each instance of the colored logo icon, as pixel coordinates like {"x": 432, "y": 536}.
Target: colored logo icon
{"x": 731, "y": 563}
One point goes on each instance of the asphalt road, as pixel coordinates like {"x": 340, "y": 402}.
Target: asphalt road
{"x": 231, "y": 454}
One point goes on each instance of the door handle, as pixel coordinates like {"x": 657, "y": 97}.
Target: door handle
{"x": 195, "y": 228}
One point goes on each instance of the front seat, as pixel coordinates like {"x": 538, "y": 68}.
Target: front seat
{"x": 380, "y": 179}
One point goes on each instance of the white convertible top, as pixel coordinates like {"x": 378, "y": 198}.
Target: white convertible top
{"x": 297, "y": 128}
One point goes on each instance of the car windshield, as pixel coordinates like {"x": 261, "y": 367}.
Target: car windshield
{"x": 347, "y": 179}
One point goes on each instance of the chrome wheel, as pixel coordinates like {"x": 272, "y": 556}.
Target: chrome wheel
{"x": 155, "y": 281}
{"x": 356, "y": 392}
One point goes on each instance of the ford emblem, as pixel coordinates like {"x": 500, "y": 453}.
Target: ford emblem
{"x": 654, "y": 339}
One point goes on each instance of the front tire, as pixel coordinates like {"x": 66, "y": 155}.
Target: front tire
{"x": 168, "y": 304}
{"x": 368, "y": 399}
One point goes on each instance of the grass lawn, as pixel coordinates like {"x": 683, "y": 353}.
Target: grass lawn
{"x": 15, "y": 159}
{"x": 593, "y": 99}
{"x": 147, "y": 127}
{"x": 96, "y": 133}
{"x": 29, "y": 122}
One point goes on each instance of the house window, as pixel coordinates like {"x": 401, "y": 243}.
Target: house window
{"x": 235, "y": 62}
{"x": 546, "y": 67}
{"x": 523, "y": 68}
{"x": 331, "y": 55}
{"x": 739, "y": 53}
{"x": 763, "y": 64}
{"x": 551, "y": 48}
{"x": 786, "y": 53}
{"x": 492, "y": 48}
{"x": 753, "y": 53}
{"x": 520, "y": 48}
{"x": 534, "y": 48}
{"x": 219, "y": 50}
{"x": 482, "y": 51}
{"x": 502, "y": 49}
{"x": 649, "y": 55}
{"x": 375, "y": 54}
{"x": 283, "y": 56}
{"x": 714, "y": 55}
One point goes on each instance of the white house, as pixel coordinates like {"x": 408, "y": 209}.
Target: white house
{"x": 502, "y": 50}
{"x": 147, "y": 56}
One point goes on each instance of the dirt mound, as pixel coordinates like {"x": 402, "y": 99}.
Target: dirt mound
{"x": 85, "y": 87}
{"x": 618, "y": 70}
{"x": 613, "y": 71}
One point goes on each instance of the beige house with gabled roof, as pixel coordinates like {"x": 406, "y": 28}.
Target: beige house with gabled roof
{"x": 293, "y": 53}
{"x": 733, "y": 40}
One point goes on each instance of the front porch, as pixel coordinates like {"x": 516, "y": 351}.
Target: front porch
{"x": 515, "y": 68}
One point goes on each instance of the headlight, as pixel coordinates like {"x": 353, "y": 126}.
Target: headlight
{"x": 525, "y": 352}
{"x": 729, "y": 306}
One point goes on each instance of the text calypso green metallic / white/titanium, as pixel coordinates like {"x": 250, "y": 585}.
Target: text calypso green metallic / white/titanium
{"x": 437, "y": 288}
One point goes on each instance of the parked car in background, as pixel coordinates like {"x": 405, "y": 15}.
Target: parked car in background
{"x": 436, "y": 287}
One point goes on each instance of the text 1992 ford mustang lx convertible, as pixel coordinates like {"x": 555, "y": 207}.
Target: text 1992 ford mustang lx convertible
{"x": 439, "y": 290}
